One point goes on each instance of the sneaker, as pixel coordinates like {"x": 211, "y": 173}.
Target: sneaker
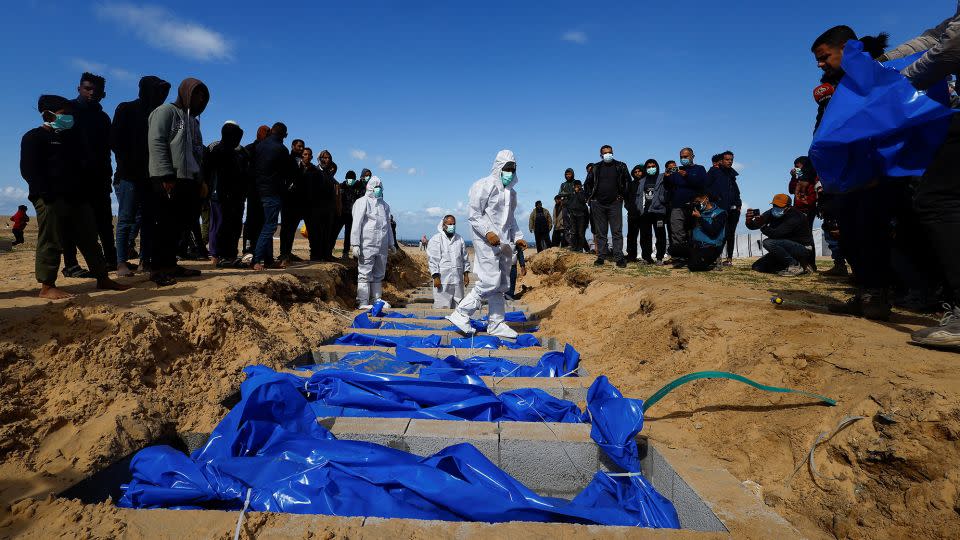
{"x": 792, "y": 271}
{"x": 838, "y": 270}
{"x": 621, "y": 263}
{"x": 598, "y": 262}
{"x": 462, "y": 322}
{"x": 944, "y": 335}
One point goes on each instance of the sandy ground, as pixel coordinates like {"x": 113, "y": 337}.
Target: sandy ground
{"x": 87, "y": 381}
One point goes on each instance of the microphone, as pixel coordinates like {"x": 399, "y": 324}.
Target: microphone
{"x": 823, "y": 92}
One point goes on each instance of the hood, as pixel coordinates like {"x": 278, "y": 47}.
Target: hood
{"x": 635, "y": 168}
{"x": 441, "y": 228}
{"x": 153, "y": 92}
{"x": 573, "y": 175}
{"x": 185, "y": 96}
{"x": 374, "y": 182}
{"x": 503, "y": 157}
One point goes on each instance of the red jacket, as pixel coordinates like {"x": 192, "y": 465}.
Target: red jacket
{"x": 20, "y": 220}
{"x": 804, "y": 198}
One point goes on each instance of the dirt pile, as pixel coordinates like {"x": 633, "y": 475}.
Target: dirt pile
{"x": 892, "y": 474}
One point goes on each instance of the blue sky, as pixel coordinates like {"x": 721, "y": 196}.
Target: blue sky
{"x": 425, "y": 94}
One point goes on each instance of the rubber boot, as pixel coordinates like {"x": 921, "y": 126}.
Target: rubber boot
{"x": 497, "y": 325}
{"x": 376, "y": 289}
{"x": 461, "y": 316}
{"x": 363, "y": 296}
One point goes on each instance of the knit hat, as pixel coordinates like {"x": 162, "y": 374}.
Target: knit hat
{"x": 781, "y": 200}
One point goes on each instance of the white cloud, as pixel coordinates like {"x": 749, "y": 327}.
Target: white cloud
{"x": 575, "y": 36}
{"x": 358, "y": 154}
{"x": 739, "y": 166}
{"x": 12, "y": 196}
{"x": 387, "y": 165}
{"x": 161, "y": 29}
{"x": 436, "y": 211}
{"x": 109, "y": 72}
{"x": 412, "y": 170}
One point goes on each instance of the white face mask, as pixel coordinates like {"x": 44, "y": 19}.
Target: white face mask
{"x": 451, "y": 229}
{"x": 608, "y": 157}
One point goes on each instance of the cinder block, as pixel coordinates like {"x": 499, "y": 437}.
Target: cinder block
{"x": 550, "y": 385}
{"x": 556, "y": 460}
{"x": 693, "y": 512}
{"x": 575, "y": 388}
{"x": 657, "y": 470}
{"x": 427, "y": 437}
{"x": 383, "y": 431}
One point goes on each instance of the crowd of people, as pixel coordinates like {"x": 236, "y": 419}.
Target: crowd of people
{"x": 184, "y": 200}
{"x": 225, "y": 201}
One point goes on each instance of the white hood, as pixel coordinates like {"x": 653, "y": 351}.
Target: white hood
{"x": 503, "y": 157}
{"x": 374, "y": 182}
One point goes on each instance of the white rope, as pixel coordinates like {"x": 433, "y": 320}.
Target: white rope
{"x": 822, "y": 438}
{"x": 246, "y": 504}
{"x": 497, "y": 381}
{"x": 562, "y": 446}
{"x": 576, "y": 369}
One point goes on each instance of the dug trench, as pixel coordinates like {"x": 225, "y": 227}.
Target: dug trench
{"x": 115, "y": 375}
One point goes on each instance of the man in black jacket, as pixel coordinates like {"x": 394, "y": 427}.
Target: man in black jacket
{"x": 92, "y": 127}
{"x": 789, "y": 240}
{"x": 224, "y": 171}
{"x": 274, "y": 169}
{"x": 722, "y": 186}
{"x": 634, "y": 212}
{"x": 606, "y": 187}
{"x": 579, "y": 214}
{"x": 295, "y": 205}
{"x": 350, "y": 190}
{"x": 49, "y": 155}
{"x": 128, "y": 139}
{"x": 253, "y": 222}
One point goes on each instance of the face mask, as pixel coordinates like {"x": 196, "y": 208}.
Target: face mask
{"x": 651, "y": 171}
{"x": 451, "y": 229}
{"x": 366, "y": 178}
{"x": 378, "y": 192}
{"x": 607, "y": 158}
{"x": 799, "y": 172}
{"x": 778, "y": 212}
{"x": 506, "y": 177}
{"x": 685, "y": 161}
{"x": 61, "y": 122}
{"x": 351, "y": 181}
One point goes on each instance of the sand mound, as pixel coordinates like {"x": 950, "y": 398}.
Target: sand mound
{"x": 892, "y": 474}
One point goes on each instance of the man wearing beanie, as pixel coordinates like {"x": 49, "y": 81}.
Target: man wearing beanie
{"x": 789, "y": 239}
{"x": 48, "y": 159}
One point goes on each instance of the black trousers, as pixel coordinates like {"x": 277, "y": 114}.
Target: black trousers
{"x": 559, "y": 238}
{"x": 162, "y": 217}
{"x": 865, "y": 231}
{"x": 292, "y": 213}
{"x": 345, "y": 223}
{"x": 321, "y": 227}
{"x": 231, "y": 225}
{"x": 103, "y": 215}
{"x": 18, "y": 236}
{"x": 542, "y": 239}
{"x": 253, "y": 224}
{"x": 653, "y": 225}
{"x": 634, "y": 219}
{"x": 937, "y": 203}
{"x": 189, "y": 205}
{"x": 679, "y": 233}
{"x": 703, "y": 258}
{"x": 730, "y": 236}
{"x": 578, "y": 232}
{"x": 608, "y": 217}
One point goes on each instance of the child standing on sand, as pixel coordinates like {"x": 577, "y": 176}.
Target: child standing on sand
{"x": 19, "y": 220}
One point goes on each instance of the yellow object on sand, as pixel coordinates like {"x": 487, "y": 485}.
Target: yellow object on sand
{"x": 303, "y": 230}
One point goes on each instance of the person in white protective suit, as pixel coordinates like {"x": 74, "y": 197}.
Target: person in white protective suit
{"x": 495, "y": 236}
{"x": 371, "y": 239}
{"x": 448, "y": 263}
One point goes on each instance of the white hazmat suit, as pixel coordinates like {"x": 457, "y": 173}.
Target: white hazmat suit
{"x": 447, "y": 256}
{"x": 491, "y": 209}
{"x": 372, "y": 241}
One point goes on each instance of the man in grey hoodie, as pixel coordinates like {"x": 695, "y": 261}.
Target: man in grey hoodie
{"x": 176, "y": 151}
{"x": 937, "y": 199}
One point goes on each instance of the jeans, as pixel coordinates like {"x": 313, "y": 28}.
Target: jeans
{"x": 836, "y": 253}
{"x": 271, "y": 215}
{"x": 130, "y": 196}
{"x": 788, "y": 252}
{"x": 608, "y": 216}
{"x": 937, "y": 203}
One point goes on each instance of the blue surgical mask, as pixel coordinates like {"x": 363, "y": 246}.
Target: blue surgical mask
{"x": 778, "y": 212}
{"x": 651, "y": 171}
{"x": 685, "y": 161}
{"x": 378, "y": 192}
{"x": 351, "y": 181}
{"x": 608, "y": 157}
{"x": 61, "y": 122}
{"x": 451, "y": 229}
{"x": 506, "y": 177}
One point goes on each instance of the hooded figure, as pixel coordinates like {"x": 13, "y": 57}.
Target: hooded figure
{"x": 447, "y": 260}
{"x": 372, "y": 241}
{"x": 493, "y": 202}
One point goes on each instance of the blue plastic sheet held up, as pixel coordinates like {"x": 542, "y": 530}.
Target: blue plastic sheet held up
{"x": 877, "y": 125}
{"x": 271, "y": 444}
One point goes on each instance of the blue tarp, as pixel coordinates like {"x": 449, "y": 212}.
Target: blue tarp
{"x": 877, "y": 125}
{"x": 272, "y": 445}
{"x": 407, "y": 361}
{"x": 433, "y": 341}
{"x": 480, "y": 325}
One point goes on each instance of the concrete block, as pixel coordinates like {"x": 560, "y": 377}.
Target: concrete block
{"x": 656, "y": 469}
{"x": 556, "y": 460}
{"x": 427, "y": 437}
{"x": 693, "y": 512}
{"x": 383, "y": 431}
{"x": 550, "y": 385}
{"x": 575, "y": 388}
